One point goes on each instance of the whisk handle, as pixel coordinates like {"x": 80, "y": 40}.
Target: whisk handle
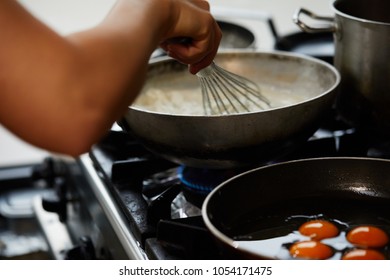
{"x": 180, "y": 40}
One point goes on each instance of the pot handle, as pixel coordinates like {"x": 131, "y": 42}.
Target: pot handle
{"x": 329, "y": 27}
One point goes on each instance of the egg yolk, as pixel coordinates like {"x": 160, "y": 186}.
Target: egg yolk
{"x": 311, "y": 250}
{"x": 368, "y": 236}
{"x": 319, "y": 229}
{"x": 363, "y": 254}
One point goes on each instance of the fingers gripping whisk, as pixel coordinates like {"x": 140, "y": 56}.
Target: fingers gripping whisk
{"x": 224, "y": 92}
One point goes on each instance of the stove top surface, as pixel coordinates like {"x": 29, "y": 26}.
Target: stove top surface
{"x": 120, "y": 201}
{"x": 161, "y": 200}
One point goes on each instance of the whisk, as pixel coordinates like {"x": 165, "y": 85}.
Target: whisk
{"x": 224, "y": 92}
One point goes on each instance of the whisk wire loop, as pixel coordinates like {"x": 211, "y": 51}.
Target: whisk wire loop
{"x": 229, "y": 85}
{"x": 224, "y": 92}
{"x": 210, "y": 94}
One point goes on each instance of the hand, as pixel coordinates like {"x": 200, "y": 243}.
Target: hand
{"x": 192, "y": 20}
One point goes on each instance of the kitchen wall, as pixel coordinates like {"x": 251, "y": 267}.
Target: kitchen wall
{"x": 66, "y": 16}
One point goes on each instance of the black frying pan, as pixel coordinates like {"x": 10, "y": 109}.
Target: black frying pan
{"x": 319, "y": 45}
{"x": 235, "y": 36}
{"x": 351, "y": 190}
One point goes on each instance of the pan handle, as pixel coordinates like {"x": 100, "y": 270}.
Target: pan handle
{"x": 227, "y": 12}
{"x": 328, "y": 27}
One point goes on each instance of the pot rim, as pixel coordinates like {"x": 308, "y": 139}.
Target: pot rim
{"x": 354, "y": 18}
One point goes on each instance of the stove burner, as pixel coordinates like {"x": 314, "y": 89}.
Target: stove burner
{"x": 202, "y": 180}
{"x": 198, "y": 182}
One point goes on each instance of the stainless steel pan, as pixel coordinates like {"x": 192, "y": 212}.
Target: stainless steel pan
{"x": 239, "y": 139}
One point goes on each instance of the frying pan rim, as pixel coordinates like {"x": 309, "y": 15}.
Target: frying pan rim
{"x": 229, "y": 241}
{"x": 241, "y": 29}
{"x": 329, "y": 66}
{"x": 292, "y": 41}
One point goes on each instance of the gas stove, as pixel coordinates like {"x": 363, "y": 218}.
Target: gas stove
{"x": 121, "y": 201}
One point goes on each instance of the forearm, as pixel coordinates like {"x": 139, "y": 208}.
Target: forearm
{"x": 79, "y": 84}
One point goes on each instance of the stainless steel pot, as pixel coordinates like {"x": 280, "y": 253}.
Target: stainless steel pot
{"x": 362, "y": 35}
{"x": 239, "y": 139}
